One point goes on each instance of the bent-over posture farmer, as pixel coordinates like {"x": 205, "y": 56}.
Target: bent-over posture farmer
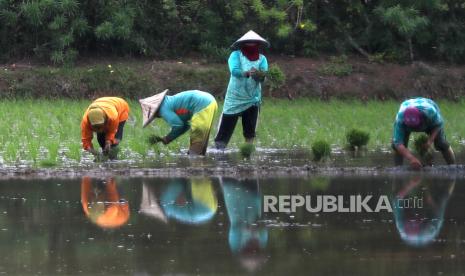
{"x": 105, "y": 116}
{"x": 419, "y": 115}
{"x": 243, "y": 96}
{"x": 186, "y": 110}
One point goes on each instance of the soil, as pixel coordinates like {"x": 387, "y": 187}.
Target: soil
{"x": 366, "y": 81}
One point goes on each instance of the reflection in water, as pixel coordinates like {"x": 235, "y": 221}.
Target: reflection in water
{"x": 190, "y": 201}
{"x": 247, "y": 238}
{"x": 419, "y": 206}
{"x": 149, "y": 204}
{"x": 103, "y": 204}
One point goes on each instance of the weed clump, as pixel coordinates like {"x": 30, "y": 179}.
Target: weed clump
{"x": 247, "y": 149}
{"x": 321, "y": 149}
{"x": 357, "y": 138}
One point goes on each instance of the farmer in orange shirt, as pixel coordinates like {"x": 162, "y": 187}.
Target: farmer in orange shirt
{"x": 106, "y": 116}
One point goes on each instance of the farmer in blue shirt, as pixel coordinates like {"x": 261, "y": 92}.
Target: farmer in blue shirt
{"x": 191, "y": 109}
{"x": 244, "y": 93}
{"x": 419, "y": 115}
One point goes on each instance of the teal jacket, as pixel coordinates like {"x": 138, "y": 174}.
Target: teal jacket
{"x": 178, "y": 110}
{"x": 243, "y": 92}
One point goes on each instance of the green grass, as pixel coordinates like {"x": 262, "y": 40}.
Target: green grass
{"x": 45, "y": 132}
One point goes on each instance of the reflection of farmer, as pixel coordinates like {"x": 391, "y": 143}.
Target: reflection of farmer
{"x": 419, "y": 115}
{"x": 106, "y": 116}
{"x": 191, "y": 203}
{"x": 419, "y": 209}
{"x": 244, "y": 93}
{"x": 192, "y": 110}
{"x": 246, "y": 238}
{"x": 102, "y": 203}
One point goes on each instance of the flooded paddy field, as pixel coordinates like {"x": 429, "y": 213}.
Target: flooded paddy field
{"x": 120, "y": 225}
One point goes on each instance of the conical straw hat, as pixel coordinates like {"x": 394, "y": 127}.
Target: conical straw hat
{"x": 150, "y": 107}
{"x": 249, "y": 37}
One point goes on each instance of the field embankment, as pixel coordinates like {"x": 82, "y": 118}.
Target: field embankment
{"x": 323, "y": 79}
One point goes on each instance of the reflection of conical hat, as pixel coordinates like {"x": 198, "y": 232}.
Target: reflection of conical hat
{"x": 249, "y": 37}
{"x": 150, "y": 107}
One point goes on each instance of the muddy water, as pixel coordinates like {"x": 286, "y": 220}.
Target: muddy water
{"x": 214, "y": 226}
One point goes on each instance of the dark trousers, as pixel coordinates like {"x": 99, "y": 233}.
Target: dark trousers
{"x": 228, "y": 123}
{"x": 118, "y": 135}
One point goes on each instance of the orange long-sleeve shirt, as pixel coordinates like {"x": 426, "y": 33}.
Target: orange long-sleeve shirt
{"x": 116, "y": 110}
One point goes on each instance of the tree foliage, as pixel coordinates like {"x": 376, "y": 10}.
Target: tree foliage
{"x": 60, "y": 31}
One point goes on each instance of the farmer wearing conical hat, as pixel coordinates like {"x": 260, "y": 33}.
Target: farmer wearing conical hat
{"x": 243, "y": 96}
{"x": 419, "y": 115}
{"x": 105, "y": 116}
{"x": 191, "y": 109}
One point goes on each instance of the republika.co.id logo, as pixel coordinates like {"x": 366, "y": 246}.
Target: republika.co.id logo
{"x": 337, "y": 204}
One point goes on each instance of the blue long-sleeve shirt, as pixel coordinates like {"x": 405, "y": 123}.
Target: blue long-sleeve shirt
{"x": 178, "y": 110}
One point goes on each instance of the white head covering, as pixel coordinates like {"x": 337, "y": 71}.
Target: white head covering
{"x": 250, "y": 36}
{"x": 150, "y": 107}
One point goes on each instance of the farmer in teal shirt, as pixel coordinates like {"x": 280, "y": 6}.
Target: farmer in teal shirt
{"x": 419, "y": 115}
{"x": 244, "y": 93}
{"x": 191, "y": 109}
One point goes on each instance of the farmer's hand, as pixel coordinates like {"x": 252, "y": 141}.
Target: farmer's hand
{"x": 415, "y": 164}
{"x": 250, "y": 73}
{"x": 258, "y": 76}
{"x": 154, "y": 139}
{"x": 107, "y": 147}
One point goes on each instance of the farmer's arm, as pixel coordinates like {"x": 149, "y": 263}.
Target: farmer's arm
{"x": 398, "y": 141}
{"x": 434, "y": 120}
{"x": 234, "y": 64}
{"x": 86, "y": 135}
{"x": 112, "y": 128}
{"x": 178, "y": 127}
{"x": 263, "y": 65}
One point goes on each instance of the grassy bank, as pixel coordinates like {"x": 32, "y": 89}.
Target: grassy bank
{"x": 47, "y": 133}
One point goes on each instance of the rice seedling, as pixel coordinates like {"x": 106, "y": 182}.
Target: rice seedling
{"x": 247, "y": 149}
{"x": 426, "y": 154}
{"x": 321, "y": 149}
{"x": 357, "y": 138}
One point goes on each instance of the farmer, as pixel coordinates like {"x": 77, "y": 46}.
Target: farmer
{"x": 243, "y": 96}
{"x": 419, "y": 115}
{"x": 106, "y": 116}
{"x": 191, "y": 109}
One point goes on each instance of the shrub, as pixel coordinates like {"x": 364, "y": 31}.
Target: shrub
{"x": 357, "y": 138}
{"x": 321, "y": 149}
{"x": 337, "y": 66}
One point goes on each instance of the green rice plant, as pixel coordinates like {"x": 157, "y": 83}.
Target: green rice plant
{"x": 247, "y": 149}
{"x": 321, "y": 149}
{"x": 426, "y": 154}
{"x": 357, "y": 138}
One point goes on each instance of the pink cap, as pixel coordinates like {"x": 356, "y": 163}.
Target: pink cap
{"x": 412, "y": 117}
